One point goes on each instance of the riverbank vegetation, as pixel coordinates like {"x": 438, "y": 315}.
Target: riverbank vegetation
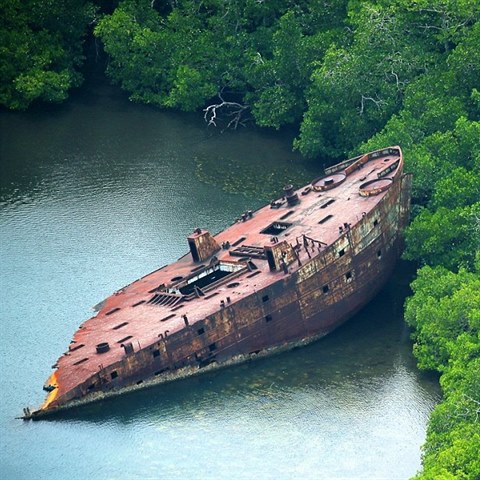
{"x": 41, "y": 49}
{"x": 350, "y": 76}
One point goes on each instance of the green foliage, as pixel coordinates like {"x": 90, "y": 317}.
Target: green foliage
{"x": 280, "y": 77}
{"x": 444, "y": 306}
{"x": 260, "y": 53}
{"x": 447, "y": 237}
{"x": 457, "y": 188}
{"x": 445, "y": 313}
{"x": 360, "y": 85}
{"x": 41, "y": 49}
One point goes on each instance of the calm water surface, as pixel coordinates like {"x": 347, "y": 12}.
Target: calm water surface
{"x": 95, "y": 194}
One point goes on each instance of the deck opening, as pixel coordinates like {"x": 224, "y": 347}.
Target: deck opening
{"x": 329, "y": 202}
{"x": 248, "y": 251}
{"x": 348, "y": 276}
{"x": 156, "y": 353}
{"x": 114, "y": 375}
{"x": 325, "y": 219}
{"x": 208, "y": 277}
{"x": 76, "y": 347}
{"x": 276, "y": 228}
{"x": 265, "y": 298}
{"x": 201, "y": 331}
{"x": 379, "y": 254}
{"x": 270, "y": 259}
{"x": 341, "y": 252}
{"x": 120, "y": 326}
{"x": 268, "y": 318}
{"x": 239, "y": 241}
{"x": 138, "y": 303}
{"x": 81, "y": 361}
{"x": 176, "y": 279}
{"x": 286, "y": 215}
{"x": 113, "y": 311}
{"x": 254, "y": 274}
{"x": 124, "y": 339}
{"x": 193, "y": 250}
{"x": 168, "y": 317}
{"x": 325, "y": 288}
{"x": 212, "y": 347}
{"x": 139, "y": 382}
{"x": 375, "y": 222}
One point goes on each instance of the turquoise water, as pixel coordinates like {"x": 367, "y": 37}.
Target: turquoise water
{"x": 99, "y": 192}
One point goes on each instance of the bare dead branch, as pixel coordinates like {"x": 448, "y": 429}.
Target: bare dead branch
{"x": 378, "y": 103}
{"x": 233, "y": 109}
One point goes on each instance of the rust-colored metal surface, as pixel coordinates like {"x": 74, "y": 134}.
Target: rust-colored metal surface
{"x": 283, "y": 275}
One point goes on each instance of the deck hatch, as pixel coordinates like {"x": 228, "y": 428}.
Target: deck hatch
{"x": 239, "y": 241}
{"x": 325, "y": 219}
{"x": 120, "y": 325}
{"x": 286, "y": 215}
{"x": 249, "y": 251}
{"x": 276, "y": 228}
{"x": 124, "y": 339}
{"x": 76, "y": 347}
{"x": 209, "y": 276}
{"x": 81, "y": 361}
{"x": 138, "y": 303}
{"x": 327, "y": 203}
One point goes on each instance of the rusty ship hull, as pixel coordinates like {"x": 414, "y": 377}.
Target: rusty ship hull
{"x": 282, "y": 276}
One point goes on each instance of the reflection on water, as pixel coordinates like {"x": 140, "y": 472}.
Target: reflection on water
{"x": 98, "y": 192}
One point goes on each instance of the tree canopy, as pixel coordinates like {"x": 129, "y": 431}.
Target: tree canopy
{"x": 41, "y": 49}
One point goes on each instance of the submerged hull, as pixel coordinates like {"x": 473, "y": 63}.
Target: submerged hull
{"x": 282, "y": 276}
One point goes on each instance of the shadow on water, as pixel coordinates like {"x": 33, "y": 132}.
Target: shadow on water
{"x": 361, "y": 354}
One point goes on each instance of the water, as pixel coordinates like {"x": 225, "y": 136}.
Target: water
{"x": 98, "y": 192}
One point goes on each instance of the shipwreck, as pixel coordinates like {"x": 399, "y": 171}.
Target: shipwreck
{"x": 282, "y": 276}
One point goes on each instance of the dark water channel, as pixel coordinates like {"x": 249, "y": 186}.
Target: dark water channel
{"x": 98, "y": 192}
